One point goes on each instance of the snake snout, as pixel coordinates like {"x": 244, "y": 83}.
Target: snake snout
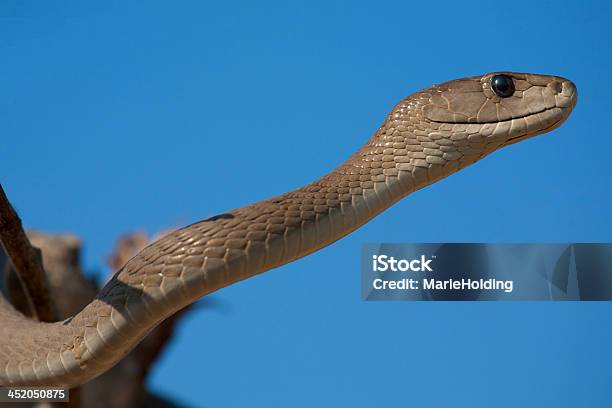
{"x": 568, "y": 88}
{"x": 570, "y": 91}
{"x": 565, "y": 92}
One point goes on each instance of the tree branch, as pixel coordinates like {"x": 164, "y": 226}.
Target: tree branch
{"x": 26, "y": 259}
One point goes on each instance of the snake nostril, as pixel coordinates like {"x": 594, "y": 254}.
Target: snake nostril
{"x": 556, "y": 87}
{"x": 568, "y": 88}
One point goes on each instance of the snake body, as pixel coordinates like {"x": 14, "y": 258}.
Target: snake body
{"x": 426, "y": 137}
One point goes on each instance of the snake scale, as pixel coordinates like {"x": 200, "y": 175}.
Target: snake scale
{"x": 426, "y": 137}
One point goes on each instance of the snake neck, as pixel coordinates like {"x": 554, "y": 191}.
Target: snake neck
{"x": 227, "y": 248}
{"x": 302, "y": 221}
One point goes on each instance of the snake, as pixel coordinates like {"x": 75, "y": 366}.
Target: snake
{"x": 426, "y": 137}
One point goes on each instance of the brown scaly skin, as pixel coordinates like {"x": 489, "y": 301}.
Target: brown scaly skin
{"x": 426, "y": 137}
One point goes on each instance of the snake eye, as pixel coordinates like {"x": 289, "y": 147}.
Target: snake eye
{"x": 502, "y": 85}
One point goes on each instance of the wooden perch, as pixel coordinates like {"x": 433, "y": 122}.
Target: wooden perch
{"x": 26, "y": 259}
{"x": 124, "y": 385}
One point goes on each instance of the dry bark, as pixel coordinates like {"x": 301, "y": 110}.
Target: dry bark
{"x": 27, "y": 262}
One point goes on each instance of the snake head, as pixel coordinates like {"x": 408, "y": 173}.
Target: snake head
{"x": 497, "y": 109}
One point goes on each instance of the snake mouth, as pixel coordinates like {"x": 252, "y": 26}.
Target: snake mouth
{"x": 527, "y": 133}
{"x": 565, "y": 111}
{"x": 485, "y": 122}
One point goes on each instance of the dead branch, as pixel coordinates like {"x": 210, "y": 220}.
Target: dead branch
{"x": 26, "y": 259}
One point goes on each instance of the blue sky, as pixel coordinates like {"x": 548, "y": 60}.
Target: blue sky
{"x": 124, "y": 116}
